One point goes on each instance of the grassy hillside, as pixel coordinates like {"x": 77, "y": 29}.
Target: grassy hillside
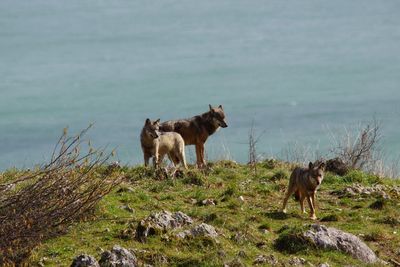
{"x": 245, "y": 215}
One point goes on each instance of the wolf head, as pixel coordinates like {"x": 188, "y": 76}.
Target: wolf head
{"x": 218, "y": 116}
{"x": 316, "y": 172}
{"x": 151, "y": 128}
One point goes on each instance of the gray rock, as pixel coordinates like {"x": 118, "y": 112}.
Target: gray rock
{"x": 263, "y": 259}
{"x": 297, "y": 261}
{"x": 208, "y": 202}
{"x": 199, "y": 230}
{"x": 118, "y": 257}
{"x": 161, "y": 222}
{"x": 84, "y": 260}
{"x": 234, "y": 263}
{"x": 204, "y": 230}
{"x": 366, "y": 191}
{"x": 332, "y": 238}
{"x": 324, "y": 265}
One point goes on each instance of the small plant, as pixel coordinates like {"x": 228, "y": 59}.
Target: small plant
{"x": 375, "y": 235}
{"x": 265, "y": 226}
{"x": 194, "y": 177}
{"x": 270, "y": 164}
{"x": 279, "y": 175}
{"x": 253, "y": 157}
{"x": 390, "y": 220}
{"x": 379, "y": 204}
{"x": 292, "y": 241}
{"x": 330, "y": 218}
{"x": 228, "y": 193}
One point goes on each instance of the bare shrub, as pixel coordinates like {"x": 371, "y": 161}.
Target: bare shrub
{"x": 358, "y": 148}
{"x": 253, "y": 140}
{"x": 40, "y": 204}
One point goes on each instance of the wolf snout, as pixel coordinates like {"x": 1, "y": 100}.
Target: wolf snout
{"x": 223, "y": 124}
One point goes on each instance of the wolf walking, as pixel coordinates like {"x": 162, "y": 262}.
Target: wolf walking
{"x": 304, "y": 183}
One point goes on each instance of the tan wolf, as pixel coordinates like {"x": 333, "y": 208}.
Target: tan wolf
{"x": 157, "y": 144}
{"x": 304, "y": 183}
{"x": 197, "y": 129}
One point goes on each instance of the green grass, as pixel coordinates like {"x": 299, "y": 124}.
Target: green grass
{"x": 254, "y": 226}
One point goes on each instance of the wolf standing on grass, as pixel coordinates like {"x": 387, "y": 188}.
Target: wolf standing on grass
{"x": 304, "y": 183}
{"x": 157, "y": 144}
{"x": 197, "y": 129}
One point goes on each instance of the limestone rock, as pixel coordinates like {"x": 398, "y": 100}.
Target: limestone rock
{"x": 161, "y": 222}
{"x": 332, "y": 238}
{"x": 263, "y": 259}
{"x": 84, "y": 260}
{"x": 118, "y": 257}
{"x": 200, "y": 230}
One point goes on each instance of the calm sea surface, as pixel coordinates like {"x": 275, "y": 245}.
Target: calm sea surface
{"x": 297, "y": 68}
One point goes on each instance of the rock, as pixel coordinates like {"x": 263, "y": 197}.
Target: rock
{"x": 204, "y": 230}
{"x": 234, "y": 263}
{"x": 161, "y": 222}
{"x": 332, "y": 238}
{"x": 337, "y": 166}
{"x": 324, "y": 265}
{"x": 297, "y": 261}
{"x": 84, "y": 260}
{"x": 262, "y": 259}
{"x": 200, "y": 230}
{"x": 208, "y": 202}
{"x": 118, "y": 257}
{"x": 364, "y": 191}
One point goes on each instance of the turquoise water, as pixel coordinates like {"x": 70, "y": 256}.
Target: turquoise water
{"x": 294, "y": 67}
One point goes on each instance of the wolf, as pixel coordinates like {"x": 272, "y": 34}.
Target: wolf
{"x": 304, "y": 183}
{"x": 157, "y": 144}
{"x": 196, "y": 130}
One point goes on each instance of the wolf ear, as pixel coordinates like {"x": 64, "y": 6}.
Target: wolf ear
{"x": 322, "y": 166}
{"x": 211, "y": 108}
{"x": 157, "y": 121}
{"x": 148, "y": 121}
{"x": 220, "y": 106}
{"x": 310, "y": 165}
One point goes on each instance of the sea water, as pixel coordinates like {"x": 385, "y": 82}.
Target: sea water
{"x": 298, "y": 70}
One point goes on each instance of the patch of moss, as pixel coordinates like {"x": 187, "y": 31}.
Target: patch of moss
{"x": 293, "y": 241}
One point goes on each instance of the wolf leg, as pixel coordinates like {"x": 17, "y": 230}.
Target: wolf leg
{"x": 302, "y": 197}
{"x": 198, "y": 155}
{"x": 155, "y": 158}
{"x": 202, "y": 159}
{"x": 160, "y": 159}
{"x": 171, "y": 158}
{"x": 313, "y": 200}
{"x": 289, "y": 192}
{"x": 312, "y": 210}
{"x": 146, "y": 160}
{"x": 182, "y": 158}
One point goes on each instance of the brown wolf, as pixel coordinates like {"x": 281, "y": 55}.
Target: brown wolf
{"x": 156, "y": 144}
{"x": 304, "y": 183}
{"x": 197, "y": 129}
